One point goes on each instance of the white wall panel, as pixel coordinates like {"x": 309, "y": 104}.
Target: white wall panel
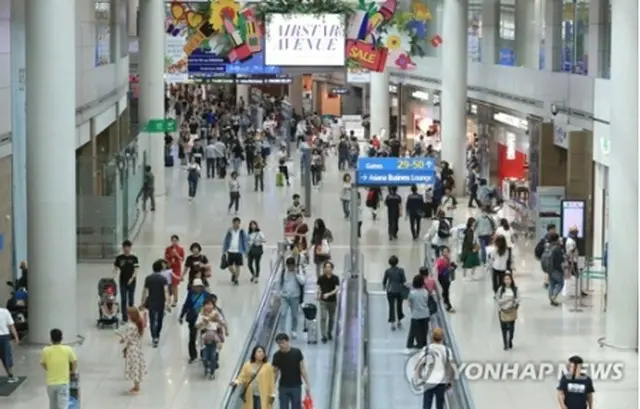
{"x": 102, "y": 121}
{"x": 122, "y": 104}
{"x": 601, "y": 138}
{"x": 83, "y": 134}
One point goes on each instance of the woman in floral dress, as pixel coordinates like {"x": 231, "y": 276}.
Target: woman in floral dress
{"x": 134, "y": 365}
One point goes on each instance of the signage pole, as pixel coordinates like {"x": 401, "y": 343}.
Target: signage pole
{"x": 354, "y": 242}
{"x": 400, "y": 112}
{"x": 306, "y": 183}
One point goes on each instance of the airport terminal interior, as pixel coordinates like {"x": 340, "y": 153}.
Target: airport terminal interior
{"x": 515, "y": 96}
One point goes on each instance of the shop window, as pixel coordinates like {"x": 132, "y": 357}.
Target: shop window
{"x": 105, "y": 45}
{"x": 575, "y": 36}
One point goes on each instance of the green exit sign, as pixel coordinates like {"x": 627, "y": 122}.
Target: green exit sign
{"x": 161, "y": 125}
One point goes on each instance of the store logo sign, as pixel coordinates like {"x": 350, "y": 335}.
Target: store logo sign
{"x": 560, "y": 137}
{"x": 511, "y": 120}
{"x": 420, "y": 95}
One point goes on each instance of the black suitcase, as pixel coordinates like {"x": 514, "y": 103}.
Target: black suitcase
{"x": 168, "y": 161}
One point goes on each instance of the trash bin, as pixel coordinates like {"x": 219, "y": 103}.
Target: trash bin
{"x": 74, "y": 392}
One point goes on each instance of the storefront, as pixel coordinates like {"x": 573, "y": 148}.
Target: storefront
{"x": 420, "y": 112}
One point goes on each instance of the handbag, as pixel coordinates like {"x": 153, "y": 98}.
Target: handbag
{"x": 224, "y": 262}
{"x": 404, "y": 292}
{"x": 256, "y": 251}
{"x": 323, "y": 249}
{"x": 509, "y": 315}
{"x": 245, "y": 387}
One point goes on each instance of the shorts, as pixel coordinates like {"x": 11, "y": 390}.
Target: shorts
{"x": 234, "y": 259}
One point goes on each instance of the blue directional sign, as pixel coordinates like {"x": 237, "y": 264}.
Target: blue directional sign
{"x": 395, "y": 171}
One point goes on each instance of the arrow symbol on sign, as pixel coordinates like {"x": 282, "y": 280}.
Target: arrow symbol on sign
{"x": 365, "y": 177}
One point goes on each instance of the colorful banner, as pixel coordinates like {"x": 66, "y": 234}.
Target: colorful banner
{"x": 380, "y": 36}
{"x": 222, "y": 37}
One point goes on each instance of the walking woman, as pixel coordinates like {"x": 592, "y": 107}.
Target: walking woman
{"x": 234, "y": 193}
{"x": 174, "y": 256}
{"x": 419, "y": 307}
{"x": 345, "y": 195}
{"x": 131, "y": 338}
{"x": 258, "y": 381}
{"x": 436, "y": 354}
{"x": 213, "y": 328}
{"x": 394, "y": 283}
{"x": 500, "y": 261}
{"x": 470, "y": 250}
{"x": 508, "y": 302}
{"x": 321, "y": 239}
{"x": 196, "y": 296}
{"x": 256, "y": 250}
{"x": 445, "y": 269}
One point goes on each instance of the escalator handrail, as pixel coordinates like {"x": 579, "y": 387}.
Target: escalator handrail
{"x": 257, "y": 326}
{"x": 461, "y": 390}
{"x": 338, "y": 349}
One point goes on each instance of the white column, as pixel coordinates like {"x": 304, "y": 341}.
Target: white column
{"x": 598, "y": 37}
{"x": 622, "y": 295}
{"x": 379, "y": 103}
{"x": 242, "y": 92}
{"x": 151, "y": 68}
{"x": 528, "y": 33}
{"x": 51, "y": 164}
{"x": 553, "y": 35}
{"x": 490, "y": 31}
{"x": 454, "y": 86}
{"x": 132, "y": 9}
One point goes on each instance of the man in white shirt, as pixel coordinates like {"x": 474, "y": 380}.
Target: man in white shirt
{"x": 7, "y": 332}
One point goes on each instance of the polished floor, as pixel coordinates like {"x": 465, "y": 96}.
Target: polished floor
{"x": 543, "y": 333}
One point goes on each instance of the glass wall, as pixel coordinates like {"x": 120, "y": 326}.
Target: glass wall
{"x": 575, "y": 36}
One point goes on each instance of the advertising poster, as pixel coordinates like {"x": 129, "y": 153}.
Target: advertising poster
{"x": 356, "y": 75}
{"x": 219, "y": 38}
{"x": 305, "y": 40}
{"x": 380, "y": 36}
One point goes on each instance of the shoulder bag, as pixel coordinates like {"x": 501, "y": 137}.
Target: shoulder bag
{"x": 248, "y": 384}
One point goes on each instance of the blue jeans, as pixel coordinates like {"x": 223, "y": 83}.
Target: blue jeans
{"x": 346, "y": 207}
{"x": 256, "y": 402}
{"x": 235, "y": 164}
{"x": 127, "y": 293}
{"x": 193, "y": 187}
{"x": 210, "y": 357}
{"x": 290, "y": 398}
{"x": 556, "y": 282}
{"x": 6, "y": 355}
{"x": 484, "y": 242}
{"x": 156, "y": 318}
{"x": 291, "y": 306}
{"x": 436, "y": 392}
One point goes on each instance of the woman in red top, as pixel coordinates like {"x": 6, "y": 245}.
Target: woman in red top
{"x": 174, "y": 255}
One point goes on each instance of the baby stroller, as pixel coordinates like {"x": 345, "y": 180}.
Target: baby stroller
{"x": 310, "y": 312}
{"x": 107, "y": 303}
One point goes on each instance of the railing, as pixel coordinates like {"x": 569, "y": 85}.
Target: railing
{"x": 262, "y": 329}
{"x": 341, "y": 342}
{"x": 460, "y": 395}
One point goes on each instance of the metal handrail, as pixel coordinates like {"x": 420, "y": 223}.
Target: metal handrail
{"x": 257, "y": 326}
{"x": 338, "y": 349}
{"x": 461, "y": 397}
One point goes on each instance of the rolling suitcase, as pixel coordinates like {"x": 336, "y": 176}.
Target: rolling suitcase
{"x": 310, "y": 312}
{"x": 168, "y": 161}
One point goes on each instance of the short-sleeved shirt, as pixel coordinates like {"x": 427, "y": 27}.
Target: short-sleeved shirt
{"x": 155, "y": 284}
{"x": 326, "y": 284}
{"x": 288, "y": 363}
{"x": 57, "y": 359}
{"x": 127, "y": 264}
{"x": 576, "y": 391}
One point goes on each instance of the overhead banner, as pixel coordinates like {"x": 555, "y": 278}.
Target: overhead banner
{"x": 305, "y": 40}
{"x": 228, "y": 39}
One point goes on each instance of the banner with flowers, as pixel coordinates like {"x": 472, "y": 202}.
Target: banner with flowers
{"x": 381, "y": 36}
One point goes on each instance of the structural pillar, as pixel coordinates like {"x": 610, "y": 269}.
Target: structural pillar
{"x": 490, "y": 31}
{"x": 51, "y": 160}
{"x": 295, "y": 94}
{"x": 622, "y": 282}
{"x": 242, "y": 93}
{"x": 528, "y": 34}
{"x": 19, "y": 135}
{"x": 599, "y": 31}
{"x": 151, "y": 66}
{"x": 454, "y": 87}
{"x": 379, "y": 104}
{"x": 553, "y": 35}
{"x": 132, "y": 10}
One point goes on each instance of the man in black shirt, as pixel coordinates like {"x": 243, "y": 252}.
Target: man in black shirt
{"x": 393, "y": 201}
{"x": 288, "y": 363}
{"x": 156, "y": 297}
{"x": 125, "y": 269}
{"x": 327, "y": 294}
{"x": 415, "y": 210}
{"x": 575, "y": 390}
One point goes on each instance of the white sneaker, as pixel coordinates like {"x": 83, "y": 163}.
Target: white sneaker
{"x": 13, "y": 379}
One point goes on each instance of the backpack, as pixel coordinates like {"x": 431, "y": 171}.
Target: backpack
{"x": 444, "y": 230}
{"x": 537, "y": 252}
{"x": 546, "y": 260}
